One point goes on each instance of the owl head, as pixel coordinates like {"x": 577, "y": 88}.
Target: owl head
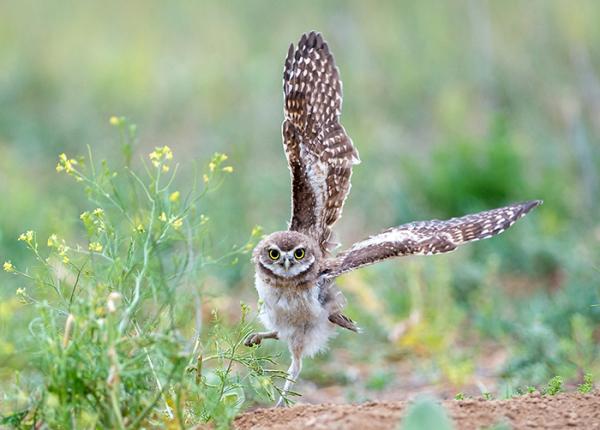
{"x": 287, "y": 254}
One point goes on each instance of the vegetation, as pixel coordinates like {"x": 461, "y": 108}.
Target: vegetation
{"x": 121, "y": 300}
{"x": 107, "y": 339}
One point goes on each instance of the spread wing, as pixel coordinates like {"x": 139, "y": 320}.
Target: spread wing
{"x": 428, "y": 237}
{"x": 319, "y": 152}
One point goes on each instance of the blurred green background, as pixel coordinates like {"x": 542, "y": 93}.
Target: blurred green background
{"x": 454, "y": 107}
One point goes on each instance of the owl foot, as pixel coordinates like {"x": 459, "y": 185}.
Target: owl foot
{"x": 256, "y": 338}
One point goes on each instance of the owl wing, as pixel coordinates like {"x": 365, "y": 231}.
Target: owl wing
{"x": 319, "y": 152}
{"x": 428, "y": 237}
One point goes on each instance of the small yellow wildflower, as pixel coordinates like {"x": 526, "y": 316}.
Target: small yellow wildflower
{"x": 256, "y": 231}
{"x": 165, "y": 168}
{"x": 114, "y": 120}
{"x": 203, "y": 219}
{"x": 160, "y": 154}
{"x": 52, "y": 241}
{"x": 99, "y": 212}
{"x": 162, "y": 217}
{"x": 140, "y": 228}
{"x": 205, "y": 178}
{"x": 8, "y": 267}
{"x": 177, "y": 223}
{"x": 174, "y": 197}
{"x": 20, "y": 292}
{"x": 228, "y": 169}
{"x": 212, "y": 166}
{"x": 95, "y": 247}
{"x": 65, "y": 163}
{"x": 26, "y": 237}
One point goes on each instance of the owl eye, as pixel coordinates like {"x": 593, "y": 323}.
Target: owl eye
{"x": 274, "y": 254}
{"x": 299, "y": 253}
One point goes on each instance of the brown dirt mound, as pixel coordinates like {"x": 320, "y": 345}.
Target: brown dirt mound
{"x": 563, "y": 411}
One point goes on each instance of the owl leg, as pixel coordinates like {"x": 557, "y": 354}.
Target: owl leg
{"x": 293, "y": 373}
{"x": 256, "y": 338}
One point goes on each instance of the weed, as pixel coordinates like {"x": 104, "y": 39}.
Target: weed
{"x": 110, "y": 347}
{"x": 459, "y": 396}
{"x": 555, "y": 386}
{"x": 587, "y": 386}
{"x": 426, "y": 413}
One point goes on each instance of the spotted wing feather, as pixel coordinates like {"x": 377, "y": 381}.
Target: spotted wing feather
{"x": 320, "y": 154}
{"x": 428, "y": 237}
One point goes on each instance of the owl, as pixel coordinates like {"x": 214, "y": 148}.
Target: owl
{"x": 296, "y": 269}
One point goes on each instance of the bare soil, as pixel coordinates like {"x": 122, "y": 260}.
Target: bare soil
{"x": 533, "y": 411}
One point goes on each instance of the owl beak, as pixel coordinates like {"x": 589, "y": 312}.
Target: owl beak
{"x": 286, "y": 263}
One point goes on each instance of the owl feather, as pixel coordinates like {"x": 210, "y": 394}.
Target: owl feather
{"x": 427, "y": 237}
{"x": 320, "y": 154}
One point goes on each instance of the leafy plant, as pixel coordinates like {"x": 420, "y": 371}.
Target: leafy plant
{"x": 426, "y": 413}
{"x": 555, "y": 386}
{"x": 587, "y": 386}
{"x": 111, "y": 348}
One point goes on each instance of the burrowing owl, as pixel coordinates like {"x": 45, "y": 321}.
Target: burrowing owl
{"x": 295, "y": 271}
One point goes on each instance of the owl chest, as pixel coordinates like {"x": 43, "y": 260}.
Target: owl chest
{"x": 286, "y": 307}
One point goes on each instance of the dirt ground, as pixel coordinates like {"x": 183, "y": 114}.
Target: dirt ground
{"x": 533, "y": 411}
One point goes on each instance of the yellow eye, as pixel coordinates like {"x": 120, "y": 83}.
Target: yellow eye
{"x": 274, "y": 254}
{"x": 299, "y": 254}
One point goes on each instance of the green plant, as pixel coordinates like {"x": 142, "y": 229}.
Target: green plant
{"x": 111, "y": 347}
{"x": 426, "y": 413}
{"x": 487, "y": 396}
{"x": 587, "y": 386}
{"x": 555, "y": 386}
{"x": 459, "y": 396}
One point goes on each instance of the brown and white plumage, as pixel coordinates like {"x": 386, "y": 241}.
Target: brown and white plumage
{"x": 319, "y": 152}
{"x": 428, "y": 237}
{"x": 295, "y": 272}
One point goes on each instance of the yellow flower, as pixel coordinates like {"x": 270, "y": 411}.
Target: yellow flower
{"x": 8, "y": 267}
{"x": 65, "y": 163}
{"x": 98, "y": 212}
{"x": 95, "y": 247}
{"x": 20, "y": 292}
{"x": 52, "y": 240}
{"x": 26, "y": 237}
{"x": 162, "y": 217}
{"x": 159, "y": 155}
{"x": 205, "y": 178}
{"x": 177, "y": 223}
{"x": 228, "y": 169}
{"x": 140, "y": 228}
{"x": 212, "y": 166}
{"x": 203, "y": 219}
{"x": 114, "y": 120}
{"x": 165, "y": 168}
{"x": 256, "y": 231}
{"x": 174, "y": 197}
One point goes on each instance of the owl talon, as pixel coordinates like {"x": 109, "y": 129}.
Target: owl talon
{"x": 256, "y": 338}
{"x": 253, "y": 339}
